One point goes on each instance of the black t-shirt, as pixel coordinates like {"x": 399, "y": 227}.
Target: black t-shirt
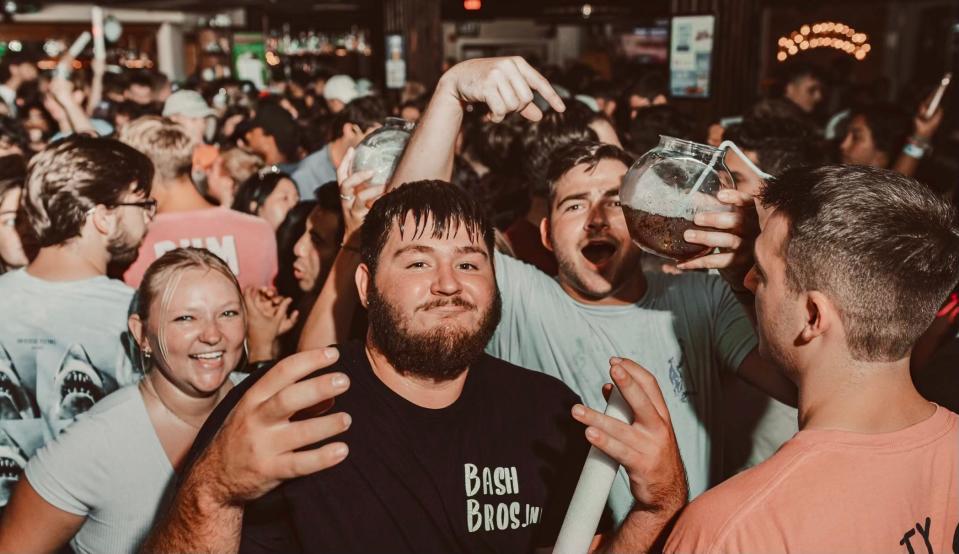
{"x": 493, "y": 472}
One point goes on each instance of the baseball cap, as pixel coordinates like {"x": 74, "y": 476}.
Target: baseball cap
{"x": 340, "y": 87}
{"x": 188, "y": 103}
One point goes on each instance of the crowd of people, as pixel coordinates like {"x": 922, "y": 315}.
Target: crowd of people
{"x": 215, "y": 336}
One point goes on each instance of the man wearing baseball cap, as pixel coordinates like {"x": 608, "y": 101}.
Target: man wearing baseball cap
{"x": 190, "y": 110}
{"x": 339, "y": 91}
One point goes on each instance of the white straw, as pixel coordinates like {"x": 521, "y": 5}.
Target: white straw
{"x": 728, "y": 145}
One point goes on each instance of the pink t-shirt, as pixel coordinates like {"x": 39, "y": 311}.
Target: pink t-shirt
{"x": 245, "y": 242}
{"x": 837, "y": 492}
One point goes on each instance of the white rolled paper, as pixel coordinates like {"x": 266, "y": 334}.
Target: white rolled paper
{"x": 592, "y": 490}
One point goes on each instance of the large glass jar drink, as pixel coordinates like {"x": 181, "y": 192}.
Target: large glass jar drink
{"x": 666, "y": 188}
{"x": 381, "y": 150}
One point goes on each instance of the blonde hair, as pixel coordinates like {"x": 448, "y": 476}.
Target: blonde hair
{"x": 167, "y": 143}
{"x": 162, "y": 276}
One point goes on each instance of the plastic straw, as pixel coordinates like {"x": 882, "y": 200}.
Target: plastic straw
{"x": 592, "y": 490}
{"x": 728, "y": 145}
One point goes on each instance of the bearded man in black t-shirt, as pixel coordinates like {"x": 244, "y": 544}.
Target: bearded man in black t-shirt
{"x": 450, "y": 450}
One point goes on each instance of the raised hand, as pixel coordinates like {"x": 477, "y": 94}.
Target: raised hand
{"x": 357, "y": 196}
{"x": 258, "y": 446}
{"x": 266, "y": 319}
{"x": 506, "y": 85}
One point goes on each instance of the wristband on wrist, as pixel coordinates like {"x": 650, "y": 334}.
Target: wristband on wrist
{"x": 913, "y": 151}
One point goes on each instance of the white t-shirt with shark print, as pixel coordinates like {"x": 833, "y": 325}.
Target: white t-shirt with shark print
{"x": 63, "y": 347}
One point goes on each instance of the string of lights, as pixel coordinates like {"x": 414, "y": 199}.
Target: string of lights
{"x": 827, "y": 34}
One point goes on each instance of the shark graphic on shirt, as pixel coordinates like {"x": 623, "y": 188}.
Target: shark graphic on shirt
{"x": 79, "y": 384}
{"x": 12, "y": 462}
{"x": 15, "y": 401}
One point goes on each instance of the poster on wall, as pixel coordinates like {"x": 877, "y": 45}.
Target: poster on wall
{"x": 395, "y": 63}
{"x": 690, "y": 55}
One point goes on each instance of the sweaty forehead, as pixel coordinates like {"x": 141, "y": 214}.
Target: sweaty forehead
{"x": 452, "y": 232}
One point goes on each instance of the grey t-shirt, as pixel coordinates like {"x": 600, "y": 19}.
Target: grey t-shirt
{"x": 314, "y": 170}
{"x": 63, "y": 347}
{"x": 684, "y": 330}
{"x": 108, "y": 467}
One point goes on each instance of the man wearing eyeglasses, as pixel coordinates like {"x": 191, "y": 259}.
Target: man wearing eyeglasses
{"x": 85, "y": 206}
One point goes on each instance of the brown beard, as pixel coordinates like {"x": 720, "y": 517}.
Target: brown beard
{"x": 440, "y": 354}
{"x": 122, "y": 252}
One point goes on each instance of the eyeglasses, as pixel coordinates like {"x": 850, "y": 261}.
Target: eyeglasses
{"x": 150, "y": 205}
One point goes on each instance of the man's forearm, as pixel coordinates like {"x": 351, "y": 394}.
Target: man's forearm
{"x": 195, "y": 523}
{"x": 332, "y": 313}
{"x": 429, "y": 154}
{"x": 641, "y": 532}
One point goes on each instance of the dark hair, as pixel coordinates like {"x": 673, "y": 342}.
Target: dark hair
{"x": 883, "y": 247}
{"x": 328, "y": 199}
{"x": 554, "y": 131}
{"x": 287, "y": 235}
{"x": 793, "y": 71}
{"x": 256, "y": 189}
{"x": 448, "y": 206}
{"x": 11, "y": 58}
{"x": 140, "y": 78}
{"x": 13, "y": 171}
{"x": 651, "y": 122}
{"x": 13, "y": 133}
{"x": 601, "y": 88}
{"x": 781, "y": 144}
{"x": 73, "y": 175}
{"x": 365, "y": 112}
{"x": 779, "y": 108}
{"x": 577, "y": 153}
{"x": 650, "y": 85}
{"x": 418, "y": 103}
{"x": 498, "y": 146}
{"x": 889, "y": 124}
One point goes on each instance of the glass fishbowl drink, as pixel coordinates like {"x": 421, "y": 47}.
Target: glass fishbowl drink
{"x": 666, "y": 188}
{"x": 381, "y": 150}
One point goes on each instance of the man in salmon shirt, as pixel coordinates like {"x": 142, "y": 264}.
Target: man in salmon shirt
{"x": 850, "y": 267}
{"x": 185, "y": 218}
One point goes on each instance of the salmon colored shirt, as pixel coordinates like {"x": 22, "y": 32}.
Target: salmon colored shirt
{"x": 837, "y": 492}
{"x": 245, "y": 242}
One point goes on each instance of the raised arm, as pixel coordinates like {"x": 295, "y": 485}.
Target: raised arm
{"x": 332, "y": 313}
{"x": 96, "y": 85}
{"x": 257, "y": 448}
{"x": 506, "y": 85}
{"x": 922, "y": 134}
